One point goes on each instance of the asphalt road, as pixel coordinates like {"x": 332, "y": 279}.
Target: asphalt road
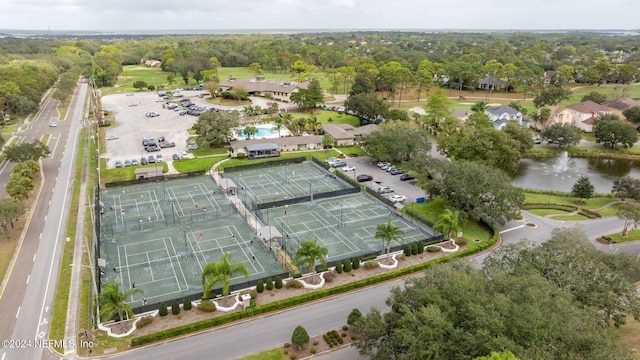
{"x": 27, "y": 298}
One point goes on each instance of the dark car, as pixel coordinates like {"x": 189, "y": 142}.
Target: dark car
{"x": 143, "y": 161}
{"x": 168, "y": 144}
{"x": 175, "y": 157}
{"x": 152, "y": 159}
{"x": 406, "y": 177}
{"x": 364, "y": 177}
{"x": 152, "y": 148}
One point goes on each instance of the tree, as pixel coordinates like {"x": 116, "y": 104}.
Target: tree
{"x": 221, "y": 271}
{"x": 369, "y": 108}
{"x": 388, "y": 232}
{"x": 308, "y": 253}
{"x": 113, "y": 302}
{"x": 632, "y": 114}
{"x": 354, "y": 316}
{"x": 438, "y": 106}
{"x": 519, "y": 134}
{"x": 423, "y": 77}
{"x": 250, "y": 130}
{"x": 300, "y": 337}
{"x": 309, "y": 97}
{"x": 448, "y": 223}
{"x": 582, "y": 189}
{"x": 480, "y": 106}
{"x": 362, "y": 84}
{"x": 506, "y": 355}
{"x": 478, "y": 191}
{"x": 239, "y": 93}
{"x": 10, "y": 210}
{"x": 596, "y": 97}
{"x": 565, "y": 135}
{"x": 298, "y": 68}
{"x": 140, "y": 85}
{"x": 613, "y": 132}
{"x": 27, "y": 151}
{"x": 256, "y": 69}
{"x": 492, "y": 69}
{"x": 384, "y": 144}
{"x": 551, "y": 96}
{"x": 630, "y": 212}
{"x": 627, "y": 187}
{"x": 214, "y": 128}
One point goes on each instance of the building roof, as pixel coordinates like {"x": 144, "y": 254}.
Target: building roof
{"x": 462, "y": 113}
{"x": 588, "y": 107}
{"x": 282, "y": 141}
{"x": 365, "y": 129}
{"x": 253, "y": 85}
{"x": 501, "y": 110}
{"x": 339, "y": 131}
{"x": 622, "y": 103}
{"x": 261, "y": 147}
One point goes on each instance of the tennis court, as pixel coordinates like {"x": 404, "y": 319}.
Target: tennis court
{"x": 165, "y": 259}
{"x": 345, "y": 225}
{"x": 285, "y": 182}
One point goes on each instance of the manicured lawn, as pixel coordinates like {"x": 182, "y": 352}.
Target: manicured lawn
{"x": 133, "y": 73}
{"x": 323, "y": 117}
{"x": 197, "y": 164}
{"x": 632, "y": 235}
{"x": 591, "y": 204}
{"x": 352, "y": 151}
{"x": 273, "y": 354}
{"x": 430, "y": 211}
{"x": 610, "y": 90}
{"x": 320, "y": 154}
{"x": 125, "y": 173}
{"x": 545, "y": 212}
{"x": 576, "y": 217}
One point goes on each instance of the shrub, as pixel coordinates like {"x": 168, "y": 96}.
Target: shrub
{"x": 299, "y": 337}
{"x": 286, "y": 345}
{"x": 345, "y": 327}
{"x": 420, "y": 247}
{"x": 186, "y": 303}
{"x": 347, "y": 266}
{"x": 315, "y": 343}
{"x": 144, "y": 321}
{"x": 251, "y": 293}
{"x": 162, "y": 310}
{"x": 269, "y": 285}
{"x": 252, "y": 303}
{"x": 356, "y": 263}
{"x": 293, "y": 357}
{"x": 278, "y": 282}
{"x": 260, "y": 286}
{"x": 339, "y": 268}
{"x": 175, "y": 307}
{"x": 354, "y": 316}
{"x": 461, "y": 241}
{"x": 371, "y": 264}
{"x": 407, "y": 250}
{"x": 329, "y": 276}
{"x": 207, "y": 306}
{"x": 294, "y": 284}
{"x": 313, "y": 351}
{"x": 414, "y": 249}
{"x": 433, "y": 249}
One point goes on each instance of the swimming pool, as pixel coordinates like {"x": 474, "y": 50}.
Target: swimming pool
{"x": 265, "y": 131}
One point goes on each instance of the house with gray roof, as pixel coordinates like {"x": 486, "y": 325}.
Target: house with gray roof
{"x": 347, "y": 135}
{"x": 501, "y": 115}
{"x": 288, "y": 143}
{"x": 260, "y": 86}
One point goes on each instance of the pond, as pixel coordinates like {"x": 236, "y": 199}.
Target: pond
{"x": 562, "y": 172}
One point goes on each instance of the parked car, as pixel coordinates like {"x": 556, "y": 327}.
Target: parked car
{"x": 159, "y": 158}
{"x": 406, "y": 177}
{"x": 175, "y": 157}
{"x": 330, "y": 159}
{"x": 338, "y": 163}
{"x": 397, "y": 198}
{"x": 151, "y": 159}
{"x": 364, "y": 177}
{"x": 184, "y": 154}
{"x": 143, "y": 161}
{"x": 383, "y": 163}
{"x": 192, "y": 146}
{"x": 152, "y": 148}
{"x": 384, "y": 189}
{"x": 396, "y": 171}
{"x": 168, "y": 144}
{"x": 127, "y": 163}
{"x": 152, "y": 114}
{"x": 134, "y": 162}
{"x": 111, "y": 137}
{"x": 349, "y": 168}
{"x": 52, "y": 124}
{"x": 118, "y": 164}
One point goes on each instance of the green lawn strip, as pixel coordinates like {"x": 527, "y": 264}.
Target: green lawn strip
{"x": 593, "y": 203}
{"x": 632, "y": 235}
{"x": 191, "y": 165}
{"x": 352, "y": 151}
{"x": 336, "y": 117}
{"x": 320, "y": 154}
{"x": 606, "y": 89}
{"x": 273, "y": 354}
{"x": 601, "y": 151}
{"x": 610, "y": 210}
{"x": 59, "y": 314}
{"x": 125, "y": 173}
{"x": 570, "y": 217}
{"x": 545, "y": 212}
{"x": 209, "y": 152}
{"x": 470, "y": 229}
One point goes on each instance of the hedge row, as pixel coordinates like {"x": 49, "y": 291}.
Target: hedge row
{"x": 562, "y": 207}
{"x": 300, "y": 299}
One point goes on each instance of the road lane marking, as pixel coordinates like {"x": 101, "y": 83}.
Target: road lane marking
{"x": 34, "y": 255}
{"x": 18, "y": 313}
{"x": 28, "y": 277}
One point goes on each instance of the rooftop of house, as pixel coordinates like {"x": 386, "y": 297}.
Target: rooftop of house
{"x": 622, "y": 103}
{"x": 260, "y": 85}
{"x": 499, "y": 110}
{"x": 588, "y": 107}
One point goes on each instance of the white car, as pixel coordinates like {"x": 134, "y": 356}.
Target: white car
{"x": 53, "y": 124}
{"x": 159, "y": 158}
{"x": 112, "y": 137}
{"x": 385, "y": 189}
{"x": 397, "y": 198}
{"x": 349, "y": 168}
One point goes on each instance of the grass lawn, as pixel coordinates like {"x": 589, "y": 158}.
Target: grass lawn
{"x": 629, "y": 334}
{"x": 125, "y": 173}
{"x": 323, "y": 117}
{"x": 632, "y": 235}
{"x": 273, "y": 354}
{"x": 352, "y": 151}
{"x": 545, "y": 212}
{"x": 430, "y": 211}
{"x": 611, "y": 90}
{"x": 197, "y": 164}
{"x": 590, "y": 204}
{"x": 576, "y": 217}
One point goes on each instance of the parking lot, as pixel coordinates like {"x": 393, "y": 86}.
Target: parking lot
{"x": 131, "y": 125}
{"x": 363, "y": 165}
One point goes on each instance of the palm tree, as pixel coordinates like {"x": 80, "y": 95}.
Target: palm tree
{"x": 250, "y": 130}
{"x": 113, "y": 301}
{"x": 388, "y": 232}
{"x": 278, "y": 124}
{"x": 448, "y": 222}
{"x": 309, "y": 252}
{"x": 221, "y": 271}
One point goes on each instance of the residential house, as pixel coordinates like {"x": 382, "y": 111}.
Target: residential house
{"x": 584, "y": 114}
{"x": 259, "y": 86}
{"x": 501, "y": 115}
{"x": 289, "y": 143}
{"x": 491, "y": 83}
{"x": 347, "y": 135}
{"x": 462, "y": 114}
{"x": 620, "y": 105}
{"x": 550, "y": 77}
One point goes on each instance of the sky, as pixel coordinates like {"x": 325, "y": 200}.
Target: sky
{"x": 166, "y": 15}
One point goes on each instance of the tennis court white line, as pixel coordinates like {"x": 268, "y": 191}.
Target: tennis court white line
{"x": 149, "y": 265}
{"x": 174, "y": 269}
{"x": 126, "y": 260}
